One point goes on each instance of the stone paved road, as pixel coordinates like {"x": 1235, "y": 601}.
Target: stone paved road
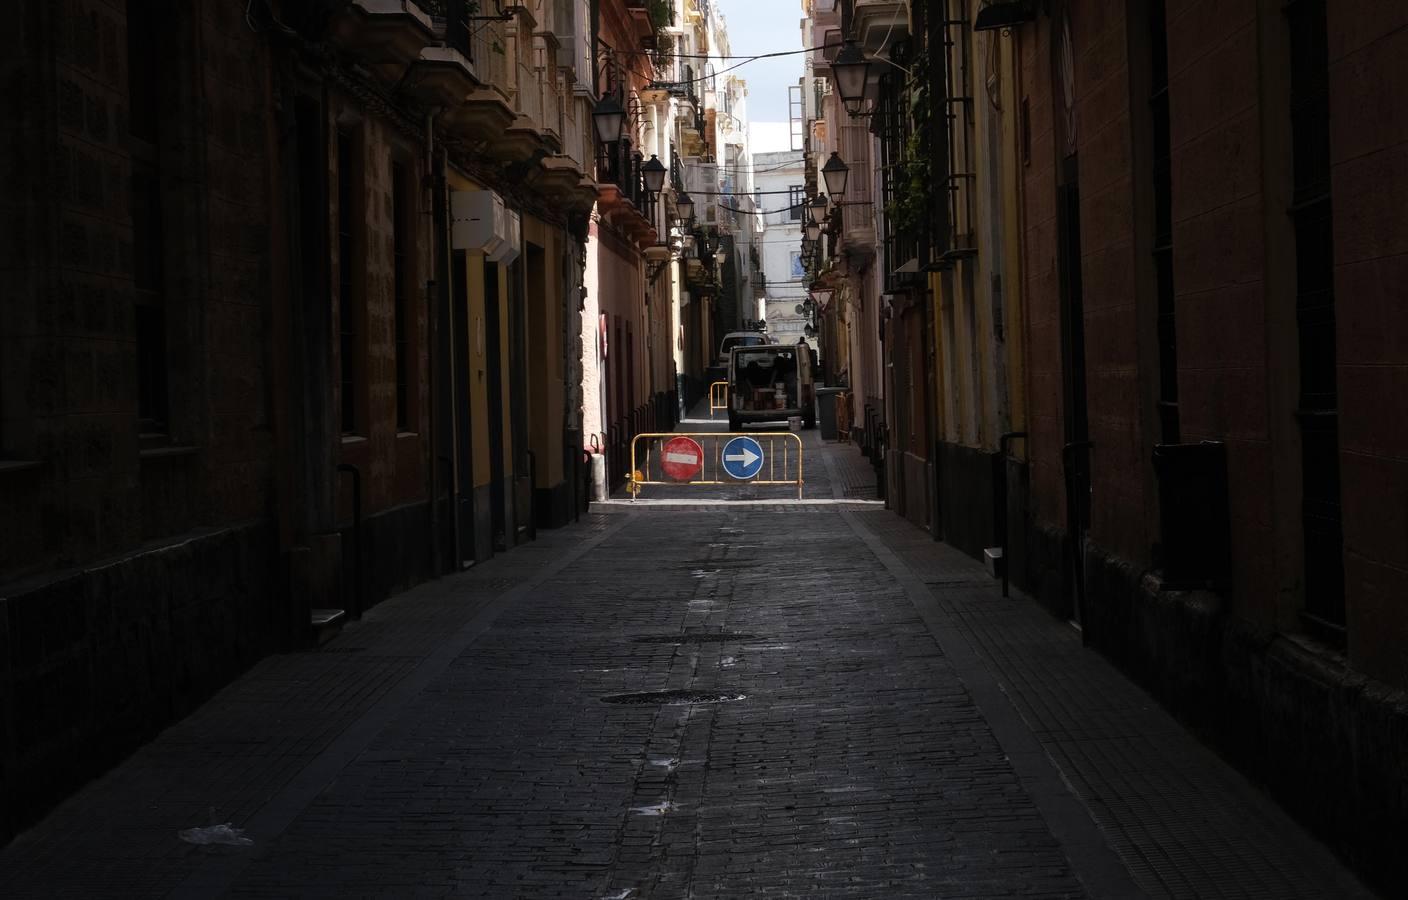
{"x": 858, "y": 714}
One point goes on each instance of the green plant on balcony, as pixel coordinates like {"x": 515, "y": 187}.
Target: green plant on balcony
{"x": 911, "y": 195}
{"x": 662, "y": 16}
{"x": 661, "y": 12}
{"x": 440, "y": 9}
{"x": 662, "y": 51}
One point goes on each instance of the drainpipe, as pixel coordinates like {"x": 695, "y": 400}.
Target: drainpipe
{"x": 442, "y": 272}
{"x": 1077, "y": 526}
{"x": 1000, "y": 502}
{"x": 432, "y": 334}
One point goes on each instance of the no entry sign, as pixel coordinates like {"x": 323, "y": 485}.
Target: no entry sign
{"x": 681, "y": 458}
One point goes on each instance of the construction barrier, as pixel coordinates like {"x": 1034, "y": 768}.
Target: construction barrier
{"x": 718, "y": 397}
{"x": 781, "y": 463}
{"x": 843, "y": 416}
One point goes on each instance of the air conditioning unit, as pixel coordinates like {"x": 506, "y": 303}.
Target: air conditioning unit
{"x": 478, "y": 221}
{"x": 513, "y": 240}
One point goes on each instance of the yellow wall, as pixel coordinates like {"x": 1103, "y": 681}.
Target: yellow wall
{"x": 1014, "y": 311}
{"x": 546, "y": 389}
{"x": 505, "y": 293}
{"x": 470, "y": 320}
{"x": 467, "y": 311}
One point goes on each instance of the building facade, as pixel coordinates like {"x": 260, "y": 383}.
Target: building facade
{"x": 779, "y": 179}
{"x": 292, "y": 302}
{"x": 1134, "y": 268}
{"x": 662, "y": 262}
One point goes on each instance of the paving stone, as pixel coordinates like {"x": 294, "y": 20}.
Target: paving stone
{"x": 456, "y": 743}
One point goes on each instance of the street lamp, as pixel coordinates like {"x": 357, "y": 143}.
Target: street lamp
{"x": 1005, "y": 14}
{"x": 610, "y": 120}
{"x": 835, "y": 173}
{"x": 817, "y": 209}
{"x": 685, "y": 206}
{"x": 813, "y": 231}
{"x": 720, "y": 256}
{"x": 654, "y": 174}
{"x": 850, "y": 69}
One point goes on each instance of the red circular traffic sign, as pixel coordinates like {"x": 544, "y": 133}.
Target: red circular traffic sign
{"x": 681, "y": 458}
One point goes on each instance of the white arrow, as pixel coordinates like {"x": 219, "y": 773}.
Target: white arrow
{"x": 747, "y": 457}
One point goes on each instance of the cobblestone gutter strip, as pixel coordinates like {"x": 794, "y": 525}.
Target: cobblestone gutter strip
{"x": 1095, "y": 864}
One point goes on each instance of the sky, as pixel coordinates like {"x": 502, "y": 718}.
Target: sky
{"x": 766, "y": 26}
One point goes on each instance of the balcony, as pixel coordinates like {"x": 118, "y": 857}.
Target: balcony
{"x": 526, "y": 134}
{"x": 879, "y": 23}
{"x": 857, "y": 212}
{"x": 487, "y": 108}
{"x": 827, "y": 45}
{"x": 552, "y": 82}
{"x": 562, "y": 181}
{"x": 443, "y": 76}
{"x": 472, "y": 54}
{"x": 621, "y": 195}
{"x": 383, "y": 33}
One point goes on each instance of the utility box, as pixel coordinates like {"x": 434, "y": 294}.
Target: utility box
{"x": 480, "y": 221}
{"x": 1194, "y": 515}
{"x": 826, "y": 411}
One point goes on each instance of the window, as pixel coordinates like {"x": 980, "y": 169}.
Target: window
{"x": 893, "y": 125}
{"x": 348, "y": 314}
{"x": 797, "y": 270}
{"x": 1312, "y": 219}
{"x": 148, "y": 239}
{"x": 796, "y": 202}
{"x": 1162, "y": 175}
{"x": 401, "y": 276}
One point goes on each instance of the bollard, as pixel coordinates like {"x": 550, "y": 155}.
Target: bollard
{"x": 600, "y": 490}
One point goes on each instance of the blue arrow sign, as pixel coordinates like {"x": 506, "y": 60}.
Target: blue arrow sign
{"x": 743, "y": 458}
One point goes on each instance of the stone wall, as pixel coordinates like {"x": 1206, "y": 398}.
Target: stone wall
{"x": 97, "y": 660}
{"x": 1329, "y": 743}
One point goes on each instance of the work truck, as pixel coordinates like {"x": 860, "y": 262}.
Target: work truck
{"x": 770, "y": 383}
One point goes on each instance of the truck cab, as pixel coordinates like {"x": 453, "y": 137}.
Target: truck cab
{"x": 769, "y": 383}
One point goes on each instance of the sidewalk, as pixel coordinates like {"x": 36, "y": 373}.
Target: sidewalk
{"x": 860, "y": 714}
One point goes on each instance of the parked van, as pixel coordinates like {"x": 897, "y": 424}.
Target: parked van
{"x": 739, "y": 339}
{"x": 770, "y": 383}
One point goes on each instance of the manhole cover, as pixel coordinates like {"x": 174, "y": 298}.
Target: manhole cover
{"x": 702, "y": 638}
{"x": 672, "y": 698}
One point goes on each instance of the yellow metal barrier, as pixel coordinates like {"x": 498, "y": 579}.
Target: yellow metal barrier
{"x": 718, "y": 397}
{"x": 777, "y": 466}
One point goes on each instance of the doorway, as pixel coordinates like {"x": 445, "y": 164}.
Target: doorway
{"x": 494, "y": 365}
{"x": 1075, "y": 455}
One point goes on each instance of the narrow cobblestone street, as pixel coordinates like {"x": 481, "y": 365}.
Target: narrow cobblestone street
{"x": 856, "y": 712}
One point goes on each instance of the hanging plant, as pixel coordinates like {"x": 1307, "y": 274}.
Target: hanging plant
{"x": 909, "y": 208}
{"x": 663, "y": 50}
{"x": 661, "y": 12}
{"x": 662, "y": 17}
